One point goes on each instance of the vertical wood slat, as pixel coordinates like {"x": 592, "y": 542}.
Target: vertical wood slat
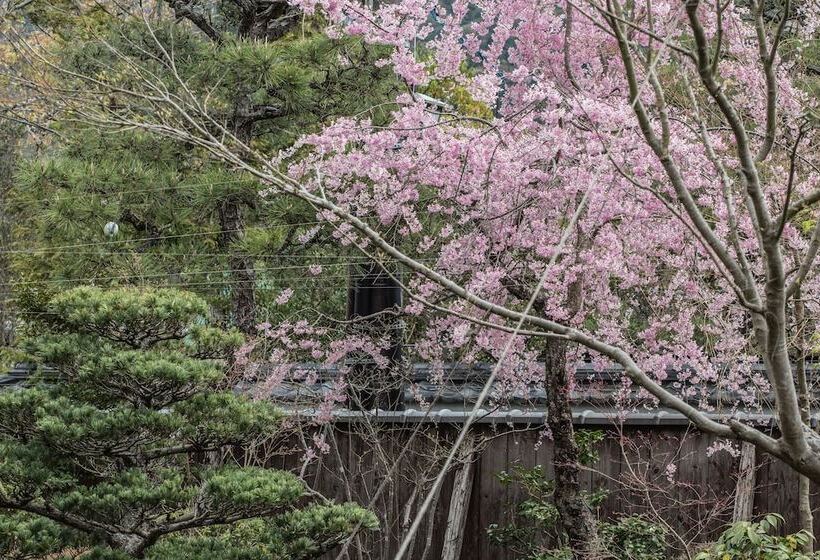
{"x": 745, "y": 490}
{"x": 493, "y": 497}
{"x": 459, "y": 504}
{"x": 473, "y": 532}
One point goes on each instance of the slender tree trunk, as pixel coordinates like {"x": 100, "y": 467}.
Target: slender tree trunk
{"x": 805, "y": 515}
{"x": 576, "y": 519}
{"x": 746, "y": 481}
{"x": 459, "y": 504}
{"x": 259, "y": 21}
{"x": 9, "y": 138}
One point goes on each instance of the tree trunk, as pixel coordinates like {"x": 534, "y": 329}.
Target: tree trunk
{"x": 575, "y": 518}
{"x": 459, "y": 504}
{"x": 9, "y": 138}
{"x": 263, "y": 22}
{"x": 243, "y": 276}
{"x": 129, "y": 543}
{"x": 231, "y": 221}
{"x": 805, "y": 515}
{"x": 232, "y": 224}
{"x": 804, "y": 511}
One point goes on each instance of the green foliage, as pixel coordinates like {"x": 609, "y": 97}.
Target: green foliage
{"x": 535, "y": 533}
{"x": 450, "y": 91}
{"x": 66, "y": 18}
{"x": 168, "y": 197}
{"x": 298, "y": 535}
{"x": 634, "y": 538}
{"x": 26, "y": 537}
{"x": 111, "y": 441}
{"x": 587, "y": 442}
{"x": 747, "y": 539}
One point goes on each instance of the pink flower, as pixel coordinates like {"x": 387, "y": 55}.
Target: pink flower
{"x": 284, "y": 296}
{"x": 671, "y": 469}
{"x": 321, "y": 444}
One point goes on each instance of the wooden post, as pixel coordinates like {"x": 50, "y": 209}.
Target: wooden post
{"x": 459, "y": 504}
{"x": 745, "y": 489}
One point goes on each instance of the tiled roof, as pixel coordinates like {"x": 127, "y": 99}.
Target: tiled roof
{"x": 597, "y": 398}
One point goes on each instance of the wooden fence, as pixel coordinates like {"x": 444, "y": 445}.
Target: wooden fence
{"x": 694, "y": 497}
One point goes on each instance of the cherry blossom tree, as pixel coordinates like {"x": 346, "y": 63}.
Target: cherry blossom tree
{"x": 697, "y": 228}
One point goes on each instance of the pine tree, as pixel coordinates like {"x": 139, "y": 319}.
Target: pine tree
{"x": 270, "y": 75}
{"x": 109, "y": 446}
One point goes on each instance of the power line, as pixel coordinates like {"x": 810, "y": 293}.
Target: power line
{"x": 153, "y": 238}
{"x": 158, "y": 189}
{"x": 89, "y": 194}
{"x": 218, "y": 285}
{"x": 152, "y": 253}
{"x": 196, "y": 273}
{"x": 58, "y": 248}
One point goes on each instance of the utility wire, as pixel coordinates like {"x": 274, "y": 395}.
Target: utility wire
{"x": 58, "y": 248}
{"x": 152, "y": 253}
{"x": 76, "y": 195}
{"x": 195, "y": 273}
{"x": 153, "y": 238}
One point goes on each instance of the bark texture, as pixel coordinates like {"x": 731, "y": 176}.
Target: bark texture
{"x": 266, "y": 20}
{"x": 804, "y": 510}
{"x": 243, "y": 276}
{"x": 575, "y": 517}
{"x": 745, "y": 489}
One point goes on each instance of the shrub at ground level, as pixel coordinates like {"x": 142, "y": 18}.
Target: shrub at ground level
{"x": 747, "y": 540}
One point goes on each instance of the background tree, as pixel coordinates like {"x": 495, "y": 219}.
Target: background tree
{"x": 111, "y": 441}
{"x": 270, "y": 74}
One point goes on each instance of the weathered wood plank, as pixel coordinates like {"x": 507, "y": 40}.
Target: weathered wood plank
{"x": 745, "y": 489}
{"x": 459, "y": 504}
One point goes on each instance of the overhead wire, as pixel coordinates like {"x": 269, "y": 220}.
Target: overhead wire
{"x": 62, "y": 196}
{"x": 61, "y": 248}
{"x": 199, "y": 273}
{"x": 58, "y": 248}
{"x": 152, "y": 253}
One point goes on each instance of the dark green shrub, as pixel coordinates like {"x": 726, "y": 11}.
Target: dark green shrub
{"x": 633, "y": 538}
{"x": 113, "y": 445}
